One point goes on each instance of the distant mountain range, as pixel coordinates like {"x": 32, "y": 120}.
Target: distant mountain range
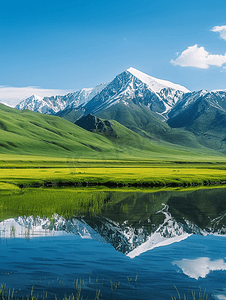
{"x": 131, "y": 85}
{"x": 54, "y": 104}
{"x": 154, "y": 108}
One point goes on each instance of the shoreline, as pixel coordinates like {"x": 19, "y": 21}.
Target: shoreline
{"x": 114, "y": 184}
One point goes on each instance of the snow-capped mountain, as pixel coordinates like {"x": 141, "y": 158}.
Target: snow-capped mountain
{"x": 214, "y": 99}
{"x": 134, "y": 87}
{"x": 204, "y": 114}
{"x": 54, "y": 104}
{"x": 41, "y": 104}
{"x": 163, "y": 98}
{"x": 83, "y": 96}
{"x": 156, "y": 84}
{"x": 150, "y": 106}
{"x": 32, "y": 103}
{"x": 129, "y": 86}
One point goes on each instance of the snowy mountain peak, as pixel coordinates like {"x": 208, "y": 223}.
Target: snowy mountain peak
{"x": 154, "y": 83}
{"x": 54, "y": 104}
{"x": 130, "y": 88}
{"x": 35, "y": 97}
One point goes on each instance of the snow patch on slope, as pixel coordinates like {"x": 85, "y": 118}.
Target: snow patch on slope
{"x": 156, "y": 84}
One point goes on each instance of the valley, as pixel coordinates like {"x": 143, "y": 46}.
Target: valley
{"x": 134, "y": 131}
{"x": 136, "y": 164}
{"x": 154, "y": 108}
{"x": 112, "y": 150}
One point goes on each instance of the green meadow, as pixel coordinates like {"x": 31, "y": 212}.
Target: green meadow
{"x": 24, "y": 171}
{"x": 51, "y": 172}
{"x": 34, "y": 134}
{"x": 42, "y": 150}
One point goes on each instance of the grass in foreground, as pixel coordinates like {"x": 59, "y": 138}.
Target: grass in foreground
{"x": 93, "y": 287}
{"x": 88, "y": 287}
{"x": 201, "y": 295}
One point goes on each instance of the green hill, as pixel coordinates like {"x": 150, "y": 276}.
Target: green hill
{"x": 26, "y": 132}
{"x": 141, "y": 120}
{"x": 30, "y": 133}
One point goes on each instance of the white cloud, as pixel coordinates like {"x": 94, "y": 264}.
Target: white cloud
{"x": 13, "y": 95}
{"x": 221, "y": 30}
{"x": 198, "y": 57}
{"x": 200, "y": 267}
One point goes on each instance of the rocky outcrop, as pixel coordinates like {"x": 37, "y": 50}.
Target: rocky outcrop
{"x": 95, "y": 124}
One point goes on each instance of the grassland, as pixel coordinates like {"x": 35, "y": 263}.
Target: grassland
{"x": 25, "y": 171}
{"x": 32, "y": 134}
{"x": 41, "y": 150}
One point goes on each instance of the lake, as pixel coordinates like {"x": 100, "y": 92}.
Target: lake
{"x": 140, "y": 245}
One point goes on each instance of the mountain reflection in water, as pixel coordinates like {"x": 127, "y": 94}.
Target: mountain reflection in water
{"x": 135, "y": 222}
{"x": 54, "y": 253}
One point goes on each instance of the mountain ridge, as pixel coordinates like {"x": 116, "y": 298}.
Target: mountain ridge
{"x": 152, "y": 107}
{"x": 53, "y": 104}
{"x": 127, "y": 88}
{"x": 160, "y": 90}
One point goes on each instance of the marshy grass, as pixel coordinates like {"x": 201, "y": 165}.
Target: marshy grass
{"x": 191, "y": 295}
{"x": 83, "y": 288}
{"x": 80, "y": 285}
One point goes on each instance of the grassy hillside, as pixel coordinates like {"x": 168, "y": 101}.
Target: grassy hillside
{"x": 142, "y": 121}
{"x": 26, "y": 132}
{"x": 29, "y": 133}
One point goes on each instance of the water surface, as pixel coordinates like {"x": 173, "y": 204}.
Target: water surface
{"x": 138, "y": 246}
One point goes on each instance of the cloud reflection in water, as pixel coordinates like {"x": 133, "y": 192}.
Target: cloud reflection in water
{"x": 200, "y": 267}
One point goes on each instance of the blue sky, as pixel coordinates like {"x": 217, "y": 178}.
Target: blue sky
{"x": 62, "y": 46}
